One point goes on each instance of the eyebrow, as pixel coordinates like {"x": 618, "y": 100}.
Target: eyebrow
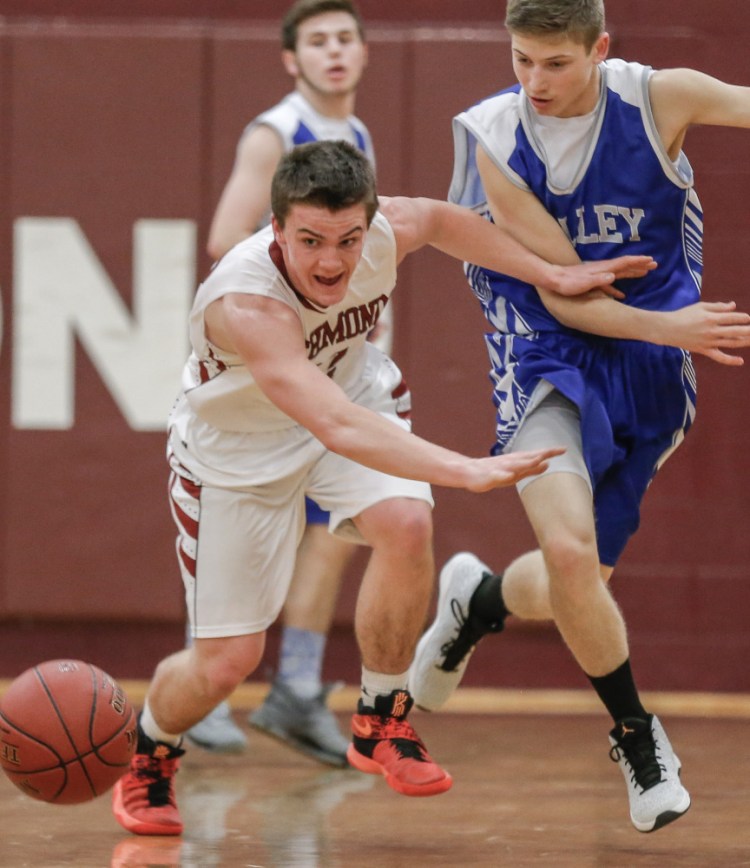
{"x": 337, "y": 32}
{"x": 353, "y": 231}
{"x": 544, "y": 59}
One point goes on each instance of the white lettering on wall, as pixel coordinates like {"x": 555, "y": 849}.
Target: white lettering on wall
{"x": 62, "y": 292}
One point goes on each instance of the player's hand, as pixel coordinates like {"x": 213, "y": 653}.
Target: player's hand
{"x": 600, "y": 275}
{"x": 710, "y": 328}
{"x": 502, "y": 470}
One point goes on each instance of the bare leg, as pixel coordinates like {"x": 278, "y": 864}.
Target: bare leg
{"x": 559, "y": 508}
{"x": 188, "y": 684}
{"x": 397, "y": 584}
{"x": 391, "y": 610}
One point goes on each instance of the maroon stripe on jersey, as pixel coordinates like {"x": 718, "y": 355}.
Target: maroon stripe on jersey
{"x": 191, "y": 488}
{"x": 399, "y": 392}
{"x": 188, "y": 524}
{"x": 187, "y": 561}
{"x": 204, "y": 371}
{"x": 184, "y": 492}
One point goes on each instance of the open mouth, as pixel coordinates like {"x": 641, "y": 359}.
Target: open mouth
{"x": 328, "y": 281}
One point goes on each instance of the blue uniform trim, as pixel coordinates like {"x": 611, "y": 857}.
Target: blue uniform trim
{"x": 303, "y": 135}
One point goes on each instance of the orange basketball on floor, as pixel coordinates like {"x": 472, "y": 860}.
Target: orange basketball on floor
{"x": 67, "y": 732}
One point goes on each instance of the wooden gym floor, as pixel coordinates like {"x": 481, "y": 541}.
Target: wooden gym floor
{"x": 533, "y": 786}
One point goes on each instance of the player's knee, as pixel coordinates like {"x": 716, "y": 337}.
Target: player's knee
{"x": 410, "y": 529}
{"x": 571, "y": 558}
{"x": 228, "y": 665}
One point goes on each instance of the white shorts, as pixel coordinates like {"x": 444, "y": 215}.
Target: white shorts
{"x": 555, "y": 422}
{"x": 237, "y": 546}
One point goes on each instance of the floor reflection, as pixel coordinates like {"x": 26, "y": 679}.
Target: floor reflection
{"x": 285, "y": 827}
{"x": 294, "y": 826}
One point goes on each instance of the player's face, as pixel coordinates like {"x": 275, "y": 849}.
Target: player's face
{"x": 330, "y": 56}
{"x": 322, "y": 249}
{"x": 559, "y": 76}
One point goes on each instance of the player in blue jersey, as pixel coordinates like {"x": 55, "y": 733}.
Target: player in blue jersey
{"x": 583, "y": 158}
{"x": 324, "y": 51}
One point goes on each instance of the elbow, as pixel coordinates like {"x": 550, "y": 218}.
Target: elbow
{"x": 214, "y": 248}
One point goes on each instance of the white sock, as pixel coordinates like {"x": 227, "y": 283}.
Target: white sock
{"x": 380, "y": 684}
{"x": 154, "y": 731}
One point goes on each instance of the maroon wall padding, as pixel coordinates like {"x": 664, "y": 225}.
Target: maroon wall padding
{"x": 106, "y": 129}
{"x": 110, "y": 122}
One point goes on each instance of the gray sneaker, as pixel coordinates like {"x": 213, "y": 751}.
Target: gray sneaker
{"x": 307, "y": 725}
{"x": 651, "y": 770}
{"x": 218, "y": 732}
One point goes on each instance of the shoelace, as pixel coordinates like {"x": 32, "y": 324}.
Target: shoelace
{"x": 641, "y": 754}
{"x": 468, "y": 632}
{"x": 151, "y": 772}
{"x": 401, "y": 734}
{"x": 391, "y": 727}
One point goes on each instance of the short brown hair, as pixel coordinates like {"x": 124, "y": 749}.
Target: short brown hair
{"x": 581, "y": 20}
{"x": 328, "y": 174}
{"x": 304, "y": 9}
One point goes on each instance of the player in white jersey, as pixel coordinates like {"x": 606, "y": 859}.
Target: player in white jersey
{"x": 324, "y": 51}
{"x": 583, "y": 158}
{"x": 283, "y": 396}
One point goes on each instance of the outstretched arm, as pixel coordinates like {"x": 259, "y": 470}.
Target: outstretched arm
{"x": 268, "y": 336}
{"x": 707, "y": 328}
{"x": 712, "y": 329}
{"x": 467, "y": 236}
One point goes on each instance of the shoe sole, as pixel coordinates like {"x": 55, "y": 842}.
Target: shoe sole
{"x": 139, "y": 827}
{"x": 234, "y": 747}
{"x": 665, "y": 818}
{"x": 371, "y": 767}
{"x": 338, "y": 761}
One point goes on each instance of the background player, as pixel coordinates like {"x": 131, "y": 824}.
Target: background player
{"x": 587, "y": 151}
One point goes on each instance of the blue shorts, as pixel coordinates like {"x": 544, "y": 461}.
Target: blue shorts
{"x": 636, "y": 402}
{"x": 314, "y": 514}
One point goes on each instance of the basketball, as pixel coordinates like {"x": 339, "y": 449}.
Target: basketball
{"x": 67, "y": 732}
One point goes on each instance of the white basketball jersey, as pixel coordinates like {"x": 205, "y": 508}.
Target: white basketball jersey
{"x": 218, "y": 386}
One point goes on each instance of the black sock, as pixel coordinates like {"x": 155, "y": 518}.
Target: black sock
{"x": 487, "y": 601}
{"x": 619, "y": 694}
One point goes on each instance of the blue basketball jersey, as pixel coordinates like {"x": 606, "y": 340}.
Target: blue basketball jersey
{"x": 297, "y": 122}
{"x": 621, "y": 194}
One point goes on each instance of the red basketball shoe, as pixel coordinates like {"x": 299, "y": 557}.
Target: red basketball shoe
{"x": 143, "y": 800}
{"x": 384, "y": 743}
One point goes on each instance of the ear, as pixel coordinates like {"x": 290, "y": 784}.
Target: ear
{"x": 289, "y": 59}
{"x": 278, "y": 232}
{"x": 601, "y": 48}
